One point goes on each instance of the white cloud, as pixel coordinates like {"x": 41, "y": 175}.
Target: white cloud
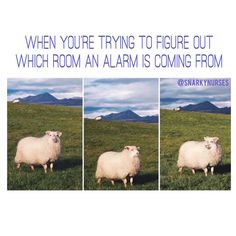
{"x": 182, "y": 96}
{"x": 94, "y": 114}
{"x": 139, "y": 95}
{"x": 58, "y": 87}
{"x": 223, "y": 104}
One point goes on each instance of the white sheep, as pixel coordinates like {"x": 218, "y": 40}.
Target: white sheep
{"x": 119, "y": 165}
{"x": 98, "y": 118}
{"x": 39, "y": 151}
{"x": 200, "y": 155}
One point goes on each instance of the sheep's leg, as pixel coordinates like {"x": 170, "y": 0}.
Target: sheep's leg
{"x": 18, "y": 166}
{"x": 180, "y": 170}
{"x": 45, "y": 168}
{"x": 212, "y": 170}
{"x": 112, "y": 182}
{"x": 205, "y": 171}
{"x": 125, "y": 182}
{"x": 51, "y": 166}
{"x": 131, "y": 181}
{"x": 99, "y": 181}
{"x": 193, "y": 171}
{"x": 32, "y": 167}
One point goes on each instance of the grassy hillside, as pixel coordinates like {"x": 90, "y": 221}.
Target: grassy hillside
{"x": 33, "y": 120}
{"x": 178, "y": 127}
{"x": 101, "y": 136}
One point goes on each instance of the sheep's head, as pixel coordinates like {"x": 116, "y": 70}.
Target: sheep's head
{"x": 210, "y": 142}
{"x": 54, "y": 135}
{"x": 133, "y": 150}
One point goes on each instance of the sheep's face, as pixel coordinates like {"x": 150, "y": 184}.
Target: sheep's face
{"x": 210, "y": 142}
{"x": 54, "y": 136}
{"x": 134, "y": 151}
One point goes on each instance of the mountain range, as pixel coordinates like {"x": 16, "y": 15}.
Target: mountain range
{"x": 206, "y": 107}
{"x": 131, "y": 116}
{"x": 47, "y": 98}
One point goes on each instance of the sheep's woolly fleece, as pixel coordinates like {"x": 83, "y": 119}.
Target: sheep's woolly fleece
{"x": 119, "y": 165}
{"x": 200, "y": 155}
{"x": 39, "y": 151}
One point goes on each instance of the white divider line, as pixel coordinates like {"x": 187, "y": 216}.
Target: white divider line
{"x": 83, "y": 133}
{"x": 159, "y": 136}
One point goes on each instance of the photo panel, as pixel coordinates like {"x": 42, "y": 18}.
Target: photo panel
{"x": 195, "y": 134}
{"x": 121, "y": 134}
{"x": 44, "y": 134}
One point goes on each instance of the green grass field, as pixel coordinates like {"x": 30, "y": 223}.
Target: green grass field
{"x": 33, "y": 120}
{"x": 178, "y": 127}
{"x": 101, "y": 136}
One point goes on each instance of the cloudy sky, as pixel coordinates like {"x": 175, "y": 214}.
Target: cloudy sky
{"x": 173, "y": 96}
{"x": 60, "y": 88}
{"x": 104, "y": 96}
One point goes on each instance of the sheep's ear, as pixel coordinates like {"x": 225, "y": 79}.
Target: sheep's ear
{"x": 138, "y": 148}
{"x": 206, "y": 138}
{"x": 48, "y": 132}
{"x": 216, "y": 139}
{"x": 126, "y": 147}
{"x": 59, "y": 134}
